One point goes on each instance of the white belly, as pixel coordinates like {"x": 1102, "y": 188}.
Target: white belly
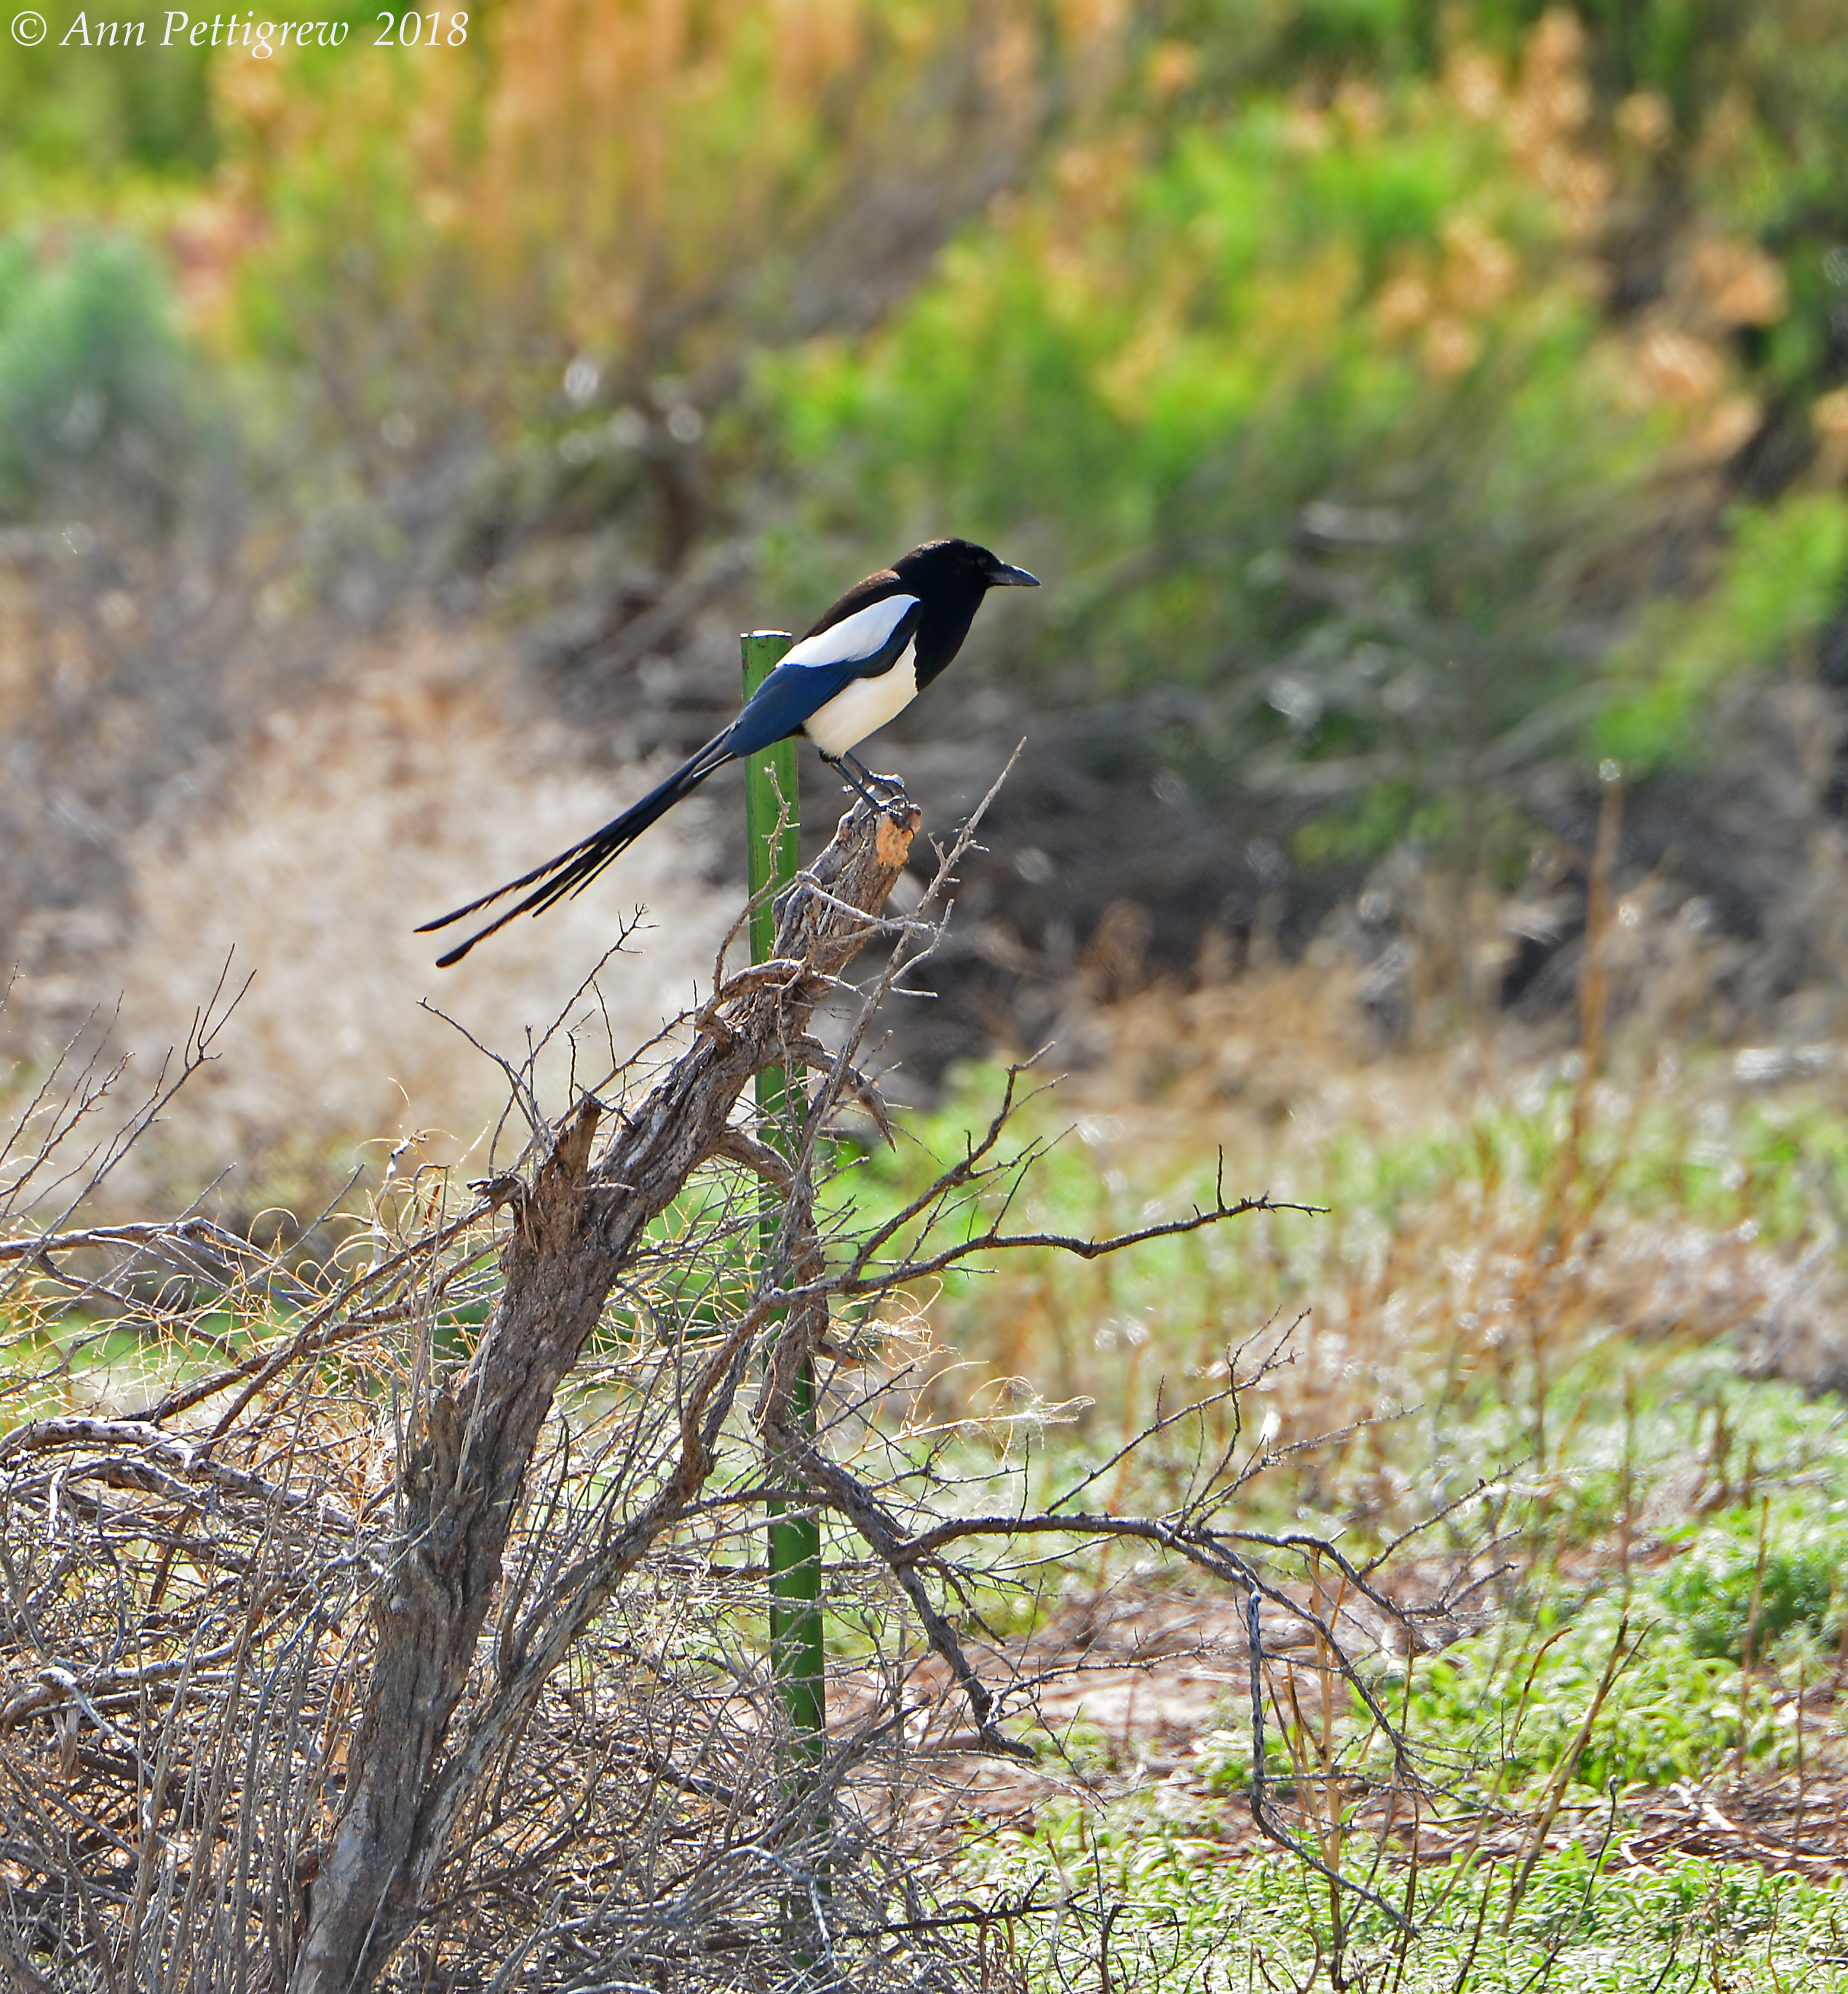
{"x": 863, "y": 706}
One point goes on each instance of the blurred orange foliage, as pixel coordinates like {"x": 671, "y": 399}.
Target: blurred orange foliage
{"x": 617, "y": 177}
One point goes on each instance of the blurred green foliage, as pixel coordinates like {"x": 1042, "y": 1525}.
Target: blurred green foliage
{"x": 1162, "y": 1318}
{"x": 1671, "y": 1712}
{"x": 1148, "y": 1896}
{"x": 1310, "y": 404}
{"x": 1415, "y": 394}
{"x": 79, "y": 125}
{"x": 1723, "y": 1593}
{"x": 1515, "y": 1703}
{"x": 1780, "y": 581}
{"x": 91, "y": 378}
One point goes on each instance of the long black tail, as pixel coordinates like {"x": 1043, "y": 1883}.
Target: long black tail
{"x": 572, "y": 870}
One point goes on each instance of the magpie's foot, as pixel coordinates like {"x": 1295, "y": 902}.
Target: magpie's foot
{"x": 894, "y": 784}
{"x": 839, "y": 764}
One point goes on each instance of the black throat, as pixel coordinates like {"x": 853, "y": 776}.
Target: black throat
{"x": 942, "y": 628}
{"x": 950, "y": 587}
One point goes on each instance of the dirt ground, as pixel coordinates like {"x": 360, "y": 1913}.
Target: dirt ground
{"x": 1131, "y": 1682}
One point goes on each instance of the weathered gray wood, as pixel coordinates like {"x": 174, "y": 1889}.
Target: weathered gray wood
{"x": 577, "y": 1221}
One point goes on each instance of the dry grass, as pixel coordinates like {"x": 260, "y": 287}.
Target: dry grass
{"x": 1574, "y": 1285}
{"x": 214, "y": 1651}
{"x": 410, "y": 778}
{"x": 1525, "y": 1272}
{"x": 397, "y": 1613}
{"x": 191, "y": 1627}
{"x": 1493, "y": 1215}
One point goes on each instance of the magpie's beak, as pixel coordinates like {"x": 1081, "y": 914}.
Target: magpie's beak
{"x": 1001, "y": 576}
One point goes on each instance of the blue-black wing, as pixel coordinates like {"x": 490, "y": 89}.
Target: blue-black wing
{"x": 869, "y": 641}
{"x": 859, "y": 646}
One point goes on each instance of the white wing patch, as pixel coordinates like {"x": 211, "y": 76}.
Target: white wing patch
{"x": 856, "y": 636}
{"x": 864, "y": 705}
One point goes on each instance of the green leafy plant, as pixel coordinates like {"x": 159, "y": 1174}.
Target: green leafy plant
{"x": 91, "y": 376}
{"x": 1780, "y": 581}
{"x": 1738, "y": 1578}
{"x": 1671, "y": 1712}
{"x": 1315, "y": 417}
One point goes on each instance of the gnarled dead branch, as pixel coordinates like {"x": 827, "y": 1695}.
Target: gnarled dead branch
{"x": 578, "y": 1225}
{"x": 403, "y": 1626}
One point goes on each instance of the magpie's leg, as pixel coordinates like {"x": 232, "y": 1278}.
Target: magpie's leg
{"x": 867, "y": 774}
{"x": 839, "y": 762}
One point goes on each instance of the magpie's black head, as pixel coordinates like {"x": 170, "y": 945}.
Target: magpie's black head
{"x": 958, "y": 567}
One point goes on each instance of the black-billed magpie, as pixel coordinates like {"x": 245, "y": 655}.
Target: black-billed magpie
{"x": 862, "y": 663}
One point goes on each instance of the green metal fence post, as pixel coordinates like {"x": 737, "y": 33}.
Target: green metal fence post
{"x": 771, "y": 843}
